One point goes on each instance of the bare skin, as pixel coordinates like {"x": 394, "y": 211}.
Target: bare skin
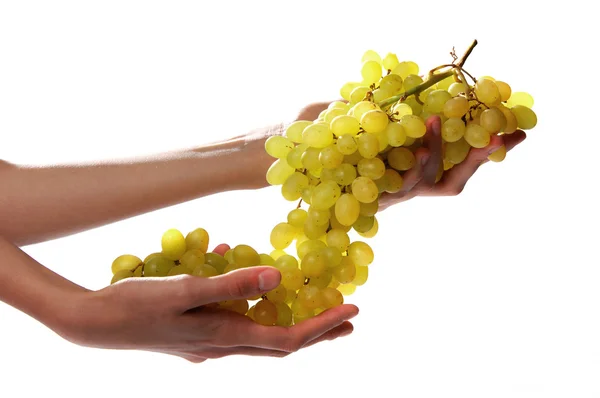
{"x": 171, "y": 315}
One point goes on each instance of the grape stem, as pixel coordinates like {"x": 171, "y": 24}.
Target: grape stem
{"x": 431, "y": 80}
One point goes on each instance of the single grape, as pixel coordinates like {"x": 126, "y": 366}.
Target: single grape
{"x": 453, "y": 129}
{"x": 265, "y": 313}
{"x": 371, "y": 72}
{"x": 173, "y": 243}
{"x": 526, "y": 118}
{"x": 125, "y": 262}
{"x": 344, "y": 125}
{"x": 477, "y": 136}
{"x": 401, "y": 159}
{"x": 498, "y": 155}
{"x": 294, "y": 130}
{"x": 364, "y": 189}
{"x": 374, "y": 121}
{"x": 347, "y": 209}
{"x": 282, "y": 236}
{"x": 368, "y": 145}
{"x": 197, "y": 239}
{"x": 245, "y": 256}
{"x": 390, "y": 61}
{"x": 360, "y": 253}
{"x": 413, "y": 126}
{"x": 317, "y": 135}
{"x": 278, "y": 146}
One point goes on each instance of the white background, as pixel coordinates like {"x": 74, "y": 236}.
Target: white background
{"x": 495, "y": 293}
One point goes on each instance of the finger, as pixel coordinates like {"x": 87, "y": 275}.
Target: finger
{"x": 433, "y": 141}
{"x": 288, "y": 339}
{"x": 221, "y": 249}
{"x": 345, "y": 329}
{"x": 456, "y": 178}
{"x": 242, "y": 283}
{"x": 514, "y": 139}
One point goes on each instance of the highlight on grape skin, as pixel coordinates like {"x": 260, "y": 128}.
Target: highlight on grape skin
{"x": 337, "y": 167}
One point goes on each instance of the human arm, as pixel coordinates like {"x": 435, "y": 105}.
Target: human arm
{"x": 168, "y": 315}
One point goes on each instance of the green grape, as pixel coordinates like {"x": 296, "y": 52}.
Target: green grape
{"x": 456, "y": 88}
{"x": 278, "y": 146}
{"x": 158, "y": 266}
{"x": 137, "y": 273}
{"x": 278, "y": 294}
{"x": 368, "y": 145}
{"x": 401, "y": 159}
{"x": 317, "y": 135}
{"x": 406, "y": 68}
{"x": 355, "y": 157}
{"x": 456, "y": 107}
{"x": 330, "y": 157}
{"x": 477, "y": 136}
{"x": 297, "y": 217}
{"x": 180, "y": 270}
{"x": 333, "y": 257}
{"x": 346, "y": 144}
{"x": 505, "y": 90}
{"x": 173, "y": 243}
{"x": 347, "y": 289}
{"x": 457, "y": 151}
{"x": 265, "y": 313}
{"x": 362, "y": 274}
{"x": 245, "y": 256}
{"x": 314, "y": 231}
{"x": 395, "y": 134}
{"x": 347, "y": 89}
{"x": 282, "y": 235}
{"x": 487, "y": 91}
{"x": 197, "y": 239}
{"x": 390, "y": 61}
{"x": 371, "y": 232}
{"x": 294, "y": 158}
{"x": 321, "y": 281}
{"x": 347, "y": 209}
{"x": 371, "y": 72}
{"x": 333, "y": 113}
{"x": 193, "y": 258}
{"x": 361, "y": 108}
{"x": 205, "y": 271}
{"x": 313, "y": 264}
{"x": 292, "y": 187}
{"x": 436, "y": 100}
{"x": 412, "y": 81}
{"x": 310, "y": 159}
{"x": 284, "y": 315}
{"x": 372, "y": 168}
{"x": 391, "y": 83}
{"x": 493, "y": 120}
{"x": 308, "y": 246}
{"x": 338, "y": 239}
{"x": 240, "y": 306}
{"x": 511, "y": 119}
{"x": 265, "y": 259}
{"x": 319, "y": 217}
{"x": 402, "y": 108}
{"x": 325, "y": 195}
{"x": 331, "y": 298}
{"x": 229, "y": 256}
{"x": 413, "y": 126}
{"x": 520, "y": 98}
{"x": 294, "y": 130}
{"x": 286, "y": 262}
{"x": 453, "y": 129}
{"x": 300, "y": 313}
{"x": 374, "y": 121}
{"x": 394, "y": 181}
{"x": 371, "y": 55}
{"x": 125, "y": 262}
{"x": 369, "y": 209}
{"x": 364, "y": 189}
{"x": 346, "y": 271}
{"x": 526, "y": 118}
{"x": 344, "y": 125}
{"x": 279, "y": 171}
{"x": 358, "y": 94}
{"x": 310, "y": 297}
{"x": 498, "y": 155}
{"x": 344, "y": 174}
{"x": 360, "y": 253}
{"x": 292, "y": 279}
{"x": 363, "y": 223}
{"x": 120, "y": 275}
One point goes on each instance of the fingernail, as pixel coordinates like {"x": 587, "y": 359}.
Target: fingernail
{"x": 424, "y": 160}
{"x": 269, "y": 279}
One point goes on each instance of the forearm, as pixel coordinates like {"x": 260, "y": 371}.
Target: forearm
{"x": 42, "y": 203}
{"x": 35, "y": 290}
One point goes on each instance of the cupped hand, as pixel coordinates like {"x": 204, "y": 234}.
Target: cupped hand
{"x": 420, "y": 180}
{"x": 173, "y": 315}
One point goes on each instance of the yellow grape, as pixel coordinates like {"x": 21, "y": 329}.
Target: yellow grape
{"x": 331, "y": 298}
{"x": 313, "y": 264}
{"x": 369, "y": 209}
{"x": 332, "y": 256}
{"x": 284, "y": 315}
{"x": 362, "y": 107}
{"x": 477, "y": 136}
{"x": 279, "y": 171}
{"x": 245, "y": 256}
{"x": 406, "y": 68}
{"x": 125, "y": 262}
{"x": 338, "y": 239}
{"x": 374, "y": 121}
{"x": 346, "y": 91}
{"x": 197, "y": 239}
{"x": 372, "y": 168}
{"x": 456, "y": 107}
{"x": 526, "y": 118}
{"x": 265, "y": 313}
{"x": 308, "y": 246}
{"x": 359, "y": 94}
{"x": 346, "y": 144}
{"x": 282, "y": 236}
{"x": 297, "y": 217}
{"x": 487, "y": 91}
{"x": 400, "y": 109}
{"x": 278, "y": 294}
{"x": 325, "y": 195}
{"x": 364, "y": 189}
{"x": 158, "y": 266}
{"x": 393, "y": 180}
{"x": 319, "y": 217}
{"x": 436, "y": 100}
{"x": 453, "y": 129}
{"x": 331, "y": 157}
{"x": 360, "y": 253}
{"x": 310, "y": 159}
{"x": 344, "y": 125}
{"x": 278, "y": 146}
{"x": 216, "y": 260}
{"x": 363, "y": 223}
{"x": 371, "y": 55}
{"x": 347, "y": 289}
{"x": 331, "y": 114}
{"x": 292, "y": 187}
{"x": 355, "y": 157}
{"x": 370, "y": 233}
{"x": 362, "y": 274}
{"x": 520, "y": 98}
{"x": 380, "y": 94}
{"x": 396, "y": 135}
{"x": 511, "y": 119}
{"x": 504, "y": 89}
{"x": 193, "y": 258}
{"x": 346, "y": 271}
{"x": 498, "y": 155}
{"x": 390, "y": 61}
{"x": 457, "y": 88}
{"x": 368, "y": 145}
{"x": 317, "y": 135}
{"x": 456, "y": 152}
{"x": 292, "y": 279}
{"x": 413, "y": 126}
{"x": 180, "y": 270}
{"x": 392, "y": 84}
{"x": 344, "y": 174}
{"x": 339, "y": 105}
{"x": 205, "y": 271}
{"x": 265, "y": 259}
{"x": 120, "y": 275}
{"x": 294, "y": 130}
{"x": 173, "y": 243}
{"x": 401, "y": 159}
{"x": 294, "y": 158}
{"x": 412, "y": 81}
{"x": 347, "y": 209}
{"x": 285, "y": 262}
{"x": 493, "y": 120}
{"x": 371, "y": 72}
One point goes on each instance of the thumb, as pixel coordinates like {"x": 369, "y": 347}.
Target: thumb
{"x": 238, "y": 284}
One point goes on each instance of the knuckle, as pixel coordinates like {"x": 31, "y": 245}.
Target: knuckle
{"x": 240, "y": 287}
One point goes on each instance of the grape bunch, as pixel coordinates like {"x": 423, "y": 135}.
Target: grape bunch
{"x": 337, "y": 167}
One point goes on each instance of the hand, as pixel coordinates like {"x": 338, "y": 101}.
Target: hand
{"x": 420, "y": 180}
{"x": 172, "y": 315}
